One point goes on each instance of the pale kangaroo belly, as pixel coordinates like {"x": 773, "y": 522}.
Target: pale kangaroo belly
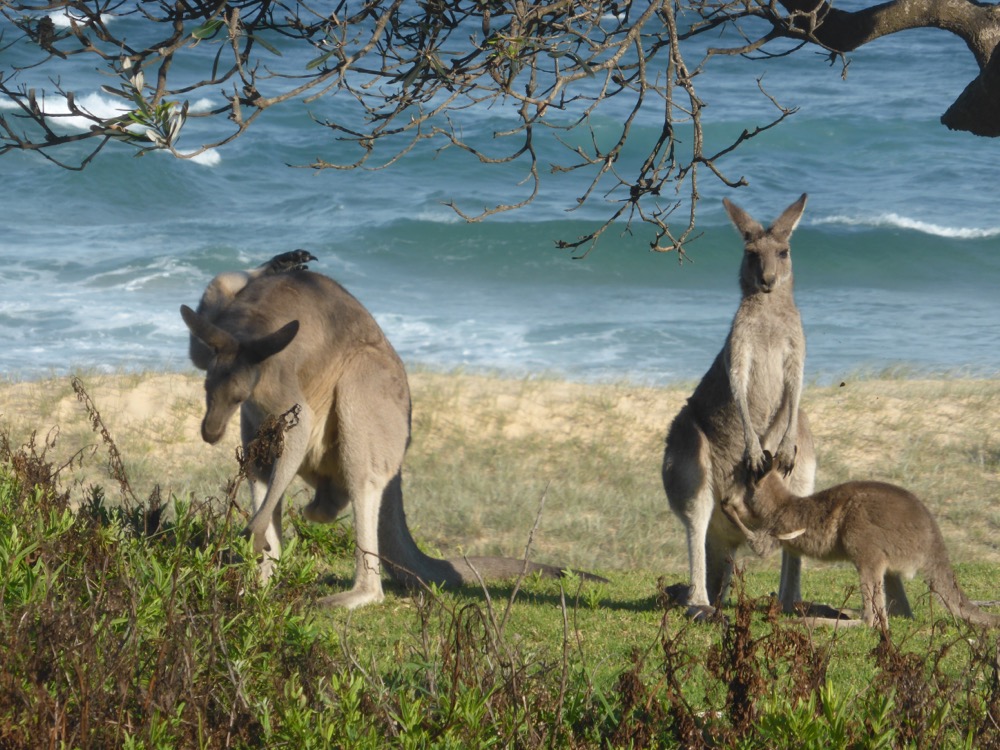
{"x": 766, "y": 394}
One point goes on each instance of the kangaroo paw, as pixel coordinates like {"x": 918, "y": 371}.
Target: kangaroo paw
{"x": 791, "y": 535}
{"x": 818, "y": 611}
{"x": 785, "y": 459}
{"x": 259, "y": 540}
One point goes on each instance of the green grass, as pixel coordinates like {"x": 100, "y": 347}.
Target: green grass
{"x": 129, "y": 626}
{"x": 122, "y": 632}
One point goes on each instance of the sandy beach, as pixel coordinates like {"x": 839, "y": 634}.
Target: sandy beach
{"x": 488, "y": 451}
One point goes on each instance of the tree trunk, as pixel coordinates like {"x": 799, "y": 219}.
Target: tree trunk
{"x": 977, "y": 109}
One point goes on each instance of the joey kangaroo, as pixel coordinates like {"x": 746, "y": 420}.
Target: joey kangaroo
{"x": 884, "y": 530}
{"x": 746, "y": 402}
{"x": 281, "y": 335}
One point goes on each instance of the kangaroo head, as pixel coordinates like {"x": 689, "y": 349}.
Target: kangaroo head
{"x": 767, "y": 259}
{"x": 234, "y": 368}
{"x": 764, "y": 486}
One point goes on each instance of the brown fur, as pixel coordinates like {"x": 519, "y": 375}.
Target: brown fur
{"x": 748, "y": 401}
{"x": 884, "y": 530}
{"x": 279, "y": 336}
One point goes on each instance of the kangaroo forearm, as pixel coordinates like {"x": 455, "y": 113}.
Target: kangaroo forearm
{"x": 750, "y": 438}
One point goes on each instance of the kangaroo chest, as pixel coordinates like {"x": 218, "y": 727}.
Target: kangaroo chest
{"x": 765, "y": 351}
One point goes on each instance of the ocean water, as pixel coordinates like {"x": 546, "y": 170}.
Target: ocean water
{"x": 897, "y": 259}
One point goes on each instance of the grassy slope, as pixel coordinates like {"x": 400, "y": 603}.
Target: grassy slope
{"x": 487, "y": 452}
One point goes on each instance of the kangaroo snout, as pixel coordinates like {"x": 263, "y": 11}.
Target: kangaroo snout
{"x": 211, "y": 435}
{"x": 767, "y": 277}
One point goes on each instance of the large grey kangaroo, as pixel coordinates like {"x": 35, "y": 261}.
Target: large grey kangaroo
{"x": 746, "y": 402}
{"x": 884, "y": 530}
{"x": 281, "y": 335}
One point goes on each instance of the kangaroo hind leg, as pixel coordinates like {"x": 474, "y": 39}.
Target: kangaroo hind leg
{"x": 687, "y": 482}
{"x": 372, "y": 413}
{"x": 719, "y": 550}
{"x": 873, "y": 609}
{"x": 895, "y": 594}
{"x": 801, "y": 482}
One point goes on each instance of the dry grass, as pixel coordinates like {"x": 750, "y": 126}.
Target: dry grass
{"x": 487, "y": 451}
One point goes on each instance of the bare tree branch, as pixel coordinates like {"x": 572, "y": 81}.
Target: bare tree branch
{"x": 385, "y": 77}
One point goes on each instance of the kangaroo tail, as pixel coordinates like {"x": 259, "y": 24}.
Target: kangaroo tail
{"x": 509, "y": 567}
{"x": 473, "y": 570}
{"x": 409, "y": 565}
{"x": 941, "y": 580}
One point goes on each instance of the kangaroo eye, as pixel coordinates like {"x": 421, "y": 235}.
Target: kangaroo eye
{"x": 783, "y": 254}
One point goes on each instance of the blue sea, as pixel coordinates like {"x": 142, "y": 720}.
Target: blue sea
{"x": 897, "y": 260}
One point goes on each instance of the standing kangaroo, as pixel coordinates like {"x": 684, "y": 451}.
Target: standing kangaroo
{"x": 884, "y": 530}
{"x": 280, "y": 336}
{"x": 746, "y": 402}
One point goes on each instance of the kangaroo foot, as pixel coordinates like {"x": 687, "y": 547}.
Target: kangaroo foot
{"x": 702, "y": 613}
{"x": 351, "y": 599}
{"x": 679, "y": 595}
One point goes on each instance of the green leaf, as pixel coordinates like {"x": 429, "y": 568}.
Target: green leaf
{"x": 208, "y": 29}
{"x": 313, "y": 64}
{"x": 266, "y": 45}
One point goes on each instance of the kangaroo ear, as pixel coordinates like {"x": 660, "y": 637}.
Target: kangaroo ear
{"x": 211, "y": 335}
{"x": 785, "y": 224}
{"x": 267, "y": 346}
{"x": 745, "y": 224}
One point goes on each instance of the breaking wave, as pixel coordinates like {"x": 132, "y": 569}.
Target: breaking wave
{"x": 895, "y": 221}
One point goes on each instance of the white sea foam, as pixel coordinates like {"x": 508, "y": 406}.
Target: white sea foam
{"x": 201, "y": 105}
{"x": 55, "y": 107}
{"x": 437, "y": 215}
{"x": 208, "y": 158}
{"x": 895, "y": 221}
{"x": 97, "y": 104}
{"x": 62, "y": 20}
{"x": 106, "y": 107}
